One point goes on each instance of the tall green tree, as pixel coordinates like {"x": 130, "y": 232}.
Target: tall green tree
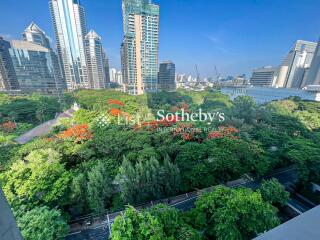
{"x": 228, "y": 214}
{"x": 135, "y": 225}
{"x": 99, "y": 188}
{"x": 147, "y": 180}
{"x": 159, "y": 222}
{"x": 39, "y": 179}
{"x": 245, "y": 108}
{"x": 274, "y": 192}
{"x": 79, "y": 194}
{"x": 42, "y": 223}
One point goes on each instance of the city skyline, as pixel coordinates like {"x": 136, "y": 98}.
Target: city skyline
{"x": 214, "y": 28}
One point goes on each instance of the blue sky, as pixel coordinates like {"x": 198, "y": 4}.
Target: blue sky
{"x": 234, "y": 35}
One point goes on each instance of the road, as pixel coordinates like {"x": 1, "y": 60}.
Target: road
{"x": 44, "y": 128}
{"x": 100, "y": 231}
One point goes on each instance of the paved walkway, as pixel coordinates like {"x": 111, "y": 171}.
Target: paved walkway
{"x": 44, "y": 128}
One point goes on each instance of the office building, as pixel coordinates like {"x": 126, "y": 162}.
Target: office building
{"x": 113, "y": 73}
{"x": 265, "y": 76}
{"x": 294, "y": 69}
{"x": 95, "y": 61}
{"x": 166, "y": 79}
{"x": 34, "y": 34}
{"x": 8, "y": 78}
{"x": 313, "y": 76}
{"x": 139, "y": 49}
{"x": 33, "y": 67}
{"x": 106, "y": 68}
{"x": 119, "y": 78}
{"x": 68, "y": 17}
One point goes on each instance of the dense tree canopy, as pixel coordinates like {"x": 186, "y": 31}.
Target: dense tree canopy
{"x": 218, "y": 213}
{"x": 42, "y": 223}
{"x": 273, "y": 192}
{"x": 83, "y": 167}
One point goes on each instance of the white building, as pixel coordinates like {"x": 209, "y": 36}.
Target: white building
{"x": 113, "y": 73}
{"x": 95, "y": 61}
{"x": 313, "y": 76}
{"x": 293, "y": 71}
{"x": 264, "y": 77}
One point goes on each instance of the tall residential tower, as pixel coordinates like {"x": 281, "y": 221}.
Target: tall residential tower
{"x": 70, "y": 28}
{"x": 139, "y": 49}
{"x": 96, "y": 61}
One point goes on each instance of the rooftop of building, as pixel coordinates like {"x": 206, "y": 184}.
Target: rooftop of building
{"x": 305, "y": 226}
{"x": 34, "y": 28}
{"x": 93, "y": 34}
{"x": 24, "y": 45}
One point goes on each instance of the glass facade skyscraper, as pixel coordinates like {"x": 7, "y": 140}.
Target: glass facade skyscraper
{"x": 95, "y": 61}
{"x": 8, "y": 78}
{"x": 70, "y": 28}
{"x": 167, "y": 76}
{"x": 34, "y": 34}
{"x": 139, "y": 49}
{"x": 33, "y": 67}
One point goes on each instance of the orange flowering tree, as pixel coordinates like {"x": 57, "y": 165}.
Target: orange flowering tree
{"x": 229, "y": 132}
{"x": 188, "y": 132}
{"x": 115, "y": 112}
{"x": 116, "y": 107}
{"x": 78, "y": 132}
{"x": 8, "y": 126}
{"x": 115, "y": 102}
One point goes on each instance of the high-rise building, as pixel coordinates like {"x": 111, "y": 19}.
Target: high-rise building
{"x": 264, "y": 77}
{"x": 34, "y": 34}
{"x": 106, "y": 68}
{"x": 313, "y": 76}
{"x": 95, "y": 61}
{"x": 119, "y": 79}
{"x": 8, "y": 78}
{"x": 113, "y": 73}
{"x": 292, "y": 72}
{"x": 33, "y": 67}
{"x": 68, "y": 17}
{"x": 139, "y": 49}
{"x": 167, "y": 73}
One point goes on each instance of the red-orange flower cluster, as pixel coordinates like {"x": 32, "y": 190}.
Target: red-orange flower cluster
{"x": 8, "y": 126}
{"x": 168, "y": 122}
{"x": 182, "y": 105}
{"x": 115, "y": 112}
{"x": 188, "y": 132}
{"x": 223, "y": 132}
{"x": 79, "y": 133}
{"x": 115, "y": 102}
